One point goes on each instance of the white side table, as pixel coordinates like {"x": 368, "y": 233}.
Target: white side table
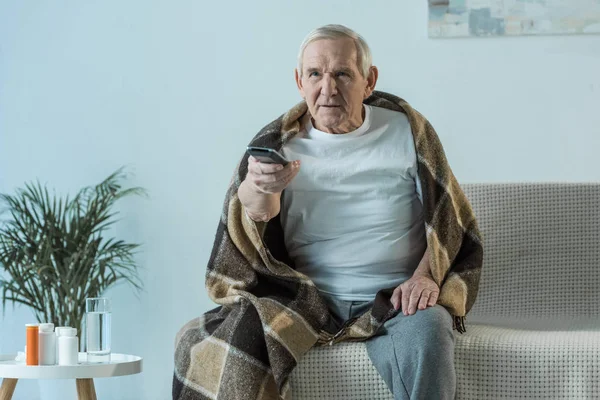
{"x": 84, "y": 373}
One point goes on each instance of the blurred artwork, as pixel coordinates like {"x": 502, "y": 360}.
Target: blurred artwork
{"x": 461, "y": 18}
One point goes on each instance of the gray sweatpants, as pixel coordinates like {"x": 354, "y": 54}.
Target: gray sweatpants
{"x": 414, "y": 354}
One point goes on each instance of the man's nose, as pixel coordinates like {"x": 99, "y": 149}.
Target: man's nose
{"x": 329, "y": 86}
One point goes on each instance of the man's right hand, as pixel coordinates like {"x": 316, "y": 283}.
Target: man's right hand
{"x": 260, "y": 192}
{"x": 270, "y": 178}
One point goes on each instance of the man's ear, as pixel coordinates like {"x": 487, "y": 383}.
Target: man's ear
{"x": 371, "y": 81}
{"x": 299, "y": 83}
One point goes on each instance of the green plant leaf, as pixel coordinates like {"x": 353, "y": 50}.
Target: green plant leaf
{"x": 55, "y": 250}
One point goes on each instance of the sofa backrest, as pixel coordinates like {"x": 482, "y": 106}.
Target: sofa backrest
{"x": 541, "y": 250}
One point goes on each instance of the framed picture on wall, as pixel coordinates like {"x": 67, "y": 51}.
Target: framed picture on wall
{"x": 464, "y": 18}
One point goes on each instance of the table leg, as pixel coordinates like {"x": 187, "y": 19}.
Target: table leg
{"x": 85, "y": 389}
{"x": 8, "y": 388}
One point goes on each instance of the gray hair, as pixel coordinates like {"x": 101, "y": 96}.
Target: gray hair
{"x": 363, "y": 52}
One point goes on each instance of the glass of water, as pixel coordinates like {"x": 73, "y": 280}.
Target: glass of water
{"x": 97, "y": 323}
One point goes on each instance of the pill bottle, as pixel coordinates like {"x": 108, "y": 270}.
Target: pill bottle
{"x": 47, "y": 345}
{"x": 32, "y": 344}
{"x": 68, "y": 346}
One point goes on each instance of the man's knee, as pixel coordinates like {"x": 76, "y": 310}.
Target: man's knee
{"x": 431, "y": 327}
{"x": 435, "y": 317}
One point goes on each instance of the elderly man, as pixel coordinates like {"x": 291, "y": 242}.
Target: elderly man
{"x": 352, "y": 240}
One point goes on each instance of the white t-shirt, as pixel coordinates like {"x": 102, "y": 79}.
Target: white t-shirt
{"x": 352, "y": 217}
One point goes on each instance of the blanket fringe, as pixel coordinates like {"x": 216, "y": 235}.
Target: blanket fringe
{"x": 459, "y": 324}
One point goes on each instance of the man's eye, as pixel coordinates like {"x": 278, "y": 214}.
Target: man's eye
{"x": 314, "y": 73}
{"x": 341, "y": 74}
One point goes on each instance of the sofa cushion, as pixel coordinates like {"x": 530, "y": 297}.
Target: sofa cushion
{"x": 560, "y": 360}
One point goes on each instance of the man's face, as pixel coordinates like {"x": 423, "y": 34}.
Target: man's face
{"x": 333, "y": 86}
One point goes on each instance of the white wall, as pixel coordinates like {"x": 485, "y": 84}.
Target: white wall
{"x": 176, "y": 90}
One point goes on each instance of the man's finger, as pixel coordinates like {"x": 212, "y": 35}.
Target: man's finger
{"x": 266, "y": 168}
{"x": 424, "y": 299}
{"x": 395, "y": 299}
{"x": 254, "y": 168}
{"x": 288, "y": 172}
{"x": 405, "y": 300}
{"x": 262, "y": 167}
{"x": 414, "y": 299}
{"x": 433, "y": 298}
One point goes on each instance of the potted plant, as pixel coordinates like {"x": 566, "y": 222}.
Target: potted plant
{"x": 56, "y": 251}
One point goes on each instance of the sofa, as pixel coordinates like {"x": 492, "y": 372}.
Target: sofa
{"x": 534, "y": 330}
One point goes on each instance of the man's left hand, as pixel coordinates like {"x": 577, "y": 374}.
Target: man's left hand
{"x": 419, "y": 291}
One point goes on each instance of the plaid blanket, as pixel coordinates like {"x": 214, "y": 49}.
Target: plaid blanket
{"x": 270, "y": 314}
